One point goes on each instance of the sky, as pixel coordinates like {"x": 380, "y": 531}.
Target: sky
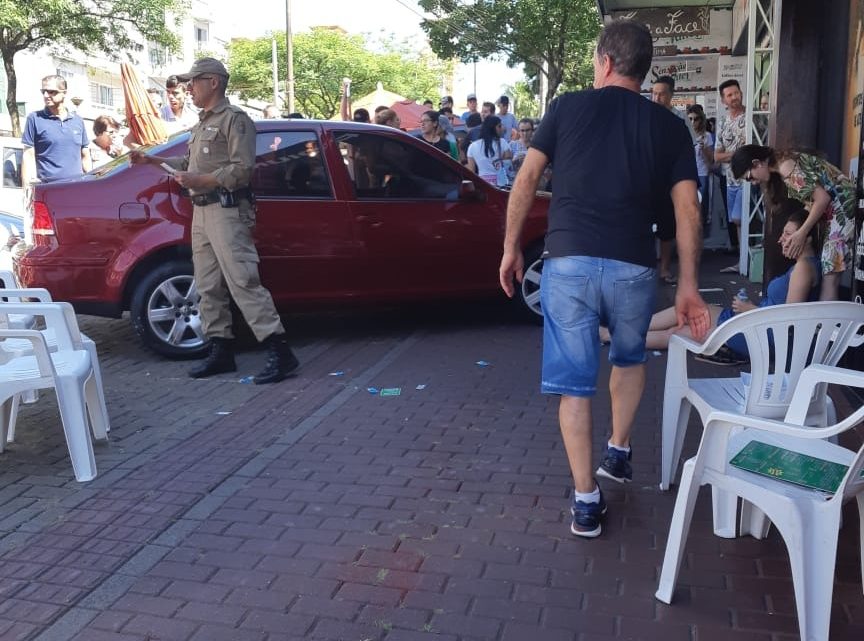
{"x": 400, "y": 17}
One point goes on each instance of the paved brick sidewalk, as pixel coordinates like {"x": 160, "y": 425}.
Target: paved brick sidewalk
{"x": 315, "y": 510}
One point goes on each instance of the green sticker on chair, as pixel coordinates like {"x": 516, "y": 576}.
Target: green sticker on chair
{"x": 791, "y": 467}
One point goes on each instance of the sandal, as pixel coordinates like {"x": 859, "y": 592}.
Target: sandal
{"x": 732, "y": 269}
{"x": 723, "y": 356}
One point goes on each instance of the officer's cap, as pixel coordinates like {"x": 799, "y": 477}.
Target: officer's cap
{"x": 202, "y": 67}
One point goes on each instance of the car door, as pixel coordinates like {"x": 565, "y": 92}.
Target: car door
{"x": 419, "y": 235}
{"x": 305, "y": 236}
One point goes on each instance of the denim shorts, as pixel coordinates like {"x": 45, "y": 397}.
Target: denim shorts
{"x": 580, "y": 293}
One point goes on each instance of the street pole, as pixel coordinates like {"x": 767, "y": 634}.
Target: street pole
{"x": 289, "y": 60}
{"x": 275, "y": 75}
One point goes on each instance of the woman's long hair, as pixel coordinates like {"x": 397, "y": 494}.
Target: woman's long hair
{"x": 743, "y": 159}
{"x": 489, "y": 134}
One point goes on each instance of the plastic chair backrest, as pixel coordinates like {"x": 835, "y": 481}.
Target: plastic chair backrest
{"x": 784, "y": 339}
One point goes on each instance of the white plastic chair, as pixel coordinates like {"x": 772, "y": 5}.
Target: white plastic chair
{"x": 796, "y": 335}
{"x": 16, "y": 321}
{"x": 809, "y": 520}
{"x": 68, "y": 370}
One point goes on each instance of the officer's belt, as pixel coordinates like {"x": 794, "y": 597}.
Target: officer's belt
{"x": 211, "y": 197}
{"x": 205, "y": 199}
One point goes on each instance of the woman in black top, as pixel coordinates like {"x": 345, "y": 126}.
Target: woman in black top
{"x": 430, "y": 132}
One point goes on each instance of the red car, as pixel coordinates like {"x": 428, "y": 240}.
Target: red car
{"x": 346, "y": 213}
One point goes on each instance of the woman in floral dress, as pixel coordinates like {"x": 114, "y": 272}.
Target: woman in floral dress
{"x": 828, "y": 195}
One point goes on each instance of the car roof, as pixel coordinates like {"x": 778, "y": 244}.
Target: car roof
{"x": 277, "y": 124}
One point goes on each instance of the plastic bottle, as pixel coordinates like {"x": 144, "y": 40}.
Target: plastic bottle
{"x": 742, "y": 295}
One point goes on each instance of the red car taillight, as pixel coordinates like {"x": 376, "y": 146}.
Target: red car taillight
{"x": 43, "y": 224}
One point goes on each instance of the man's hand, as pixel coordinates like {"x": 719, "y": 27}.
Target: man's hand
{"x": 138, "y": 158}
{"x": 692, "y": 310}
{"x": 512, "y": 265}
{"x": 196, "y": 181}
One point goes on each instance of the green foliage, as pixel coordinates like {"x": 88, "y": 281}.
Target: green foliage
{"x": 524, "y": 95}
{"x": 92, "y": 25}
{"x": 322, "y": 57}
{"x": 557, "y": 36}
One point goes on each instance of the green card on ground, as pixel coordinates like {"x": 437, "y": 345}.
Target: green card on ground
{"x": 391, "y": 391}
{"x": 792, "y": 467}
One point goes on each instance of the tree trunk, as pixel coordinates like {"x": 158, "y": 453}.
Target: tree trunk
{"x": 11, "y": 90}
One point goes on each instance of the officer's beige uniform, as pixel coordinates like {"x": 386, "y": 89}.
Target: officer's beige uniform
{"x": 223, "y": 253}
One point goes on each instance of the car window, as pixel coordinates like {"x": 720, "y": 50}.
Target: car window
{"x": 384, "y": 167}
{"x": 289, "y": 164}
{"x": 12, "y": 167}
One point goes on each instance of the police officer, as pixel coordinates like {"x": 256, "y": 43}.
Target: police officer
{"x": 216, "y": 170}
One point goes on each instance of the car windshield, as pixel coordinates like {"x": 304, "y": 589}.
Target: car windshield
{"x": 123, "y": 161}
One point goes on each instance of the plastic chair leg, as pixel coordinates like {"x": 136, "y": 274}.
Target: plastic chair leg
{"x": 96, "y": 410}
{"x": 860, "y": 499}
{"x": 725, "y": 511}
{"x": 12, "y": 418}
{"x": 70, "y": 399}
{"x": 90, "y": 346}
{"x": 5, "y": 412}
{"x": 676, "y": 416}
{"x": 753, "y": 521}
{"x": 678, "y": 530}
{"x": 813, "y": 554}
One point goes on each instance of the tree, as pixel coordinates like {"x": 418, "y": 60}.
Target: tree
{"x": 89, "y": 25}
{"x": 322, "y": 57}
{"x": 555, "y": 38}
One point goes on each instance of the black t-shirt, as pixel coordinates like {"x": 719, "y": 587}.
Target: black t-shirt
{"x": 616, "y": 157}
{"x": 442, "y": 143}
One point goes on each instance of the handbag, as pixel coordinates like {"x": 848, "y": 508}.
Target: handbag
{"x": 501, "y": 179}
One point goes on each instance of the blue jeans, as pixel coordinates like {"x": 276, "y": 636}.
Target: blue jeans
{"x": 580, "y": 293}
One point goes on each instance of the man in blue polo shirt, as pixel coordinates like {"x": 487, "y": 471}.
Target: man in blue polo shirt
{"x": 55, "y": 140}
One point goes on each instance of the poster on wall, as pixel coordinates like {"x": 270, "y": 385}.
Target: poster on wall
{"x": 685, "y": 30}
{"x": 854, "y": 87}
{"x": 692, "y": 74}
{"x": 732, "y": 68}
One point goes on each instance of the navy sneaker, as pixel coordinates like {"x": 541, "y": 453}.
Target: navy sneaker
{"x": 586, "y": 517}
{"x": 616, "y": 466}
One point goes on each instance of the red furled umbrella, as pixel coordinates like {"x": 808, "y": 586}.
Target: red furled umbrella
{"x": 144, "y": 122}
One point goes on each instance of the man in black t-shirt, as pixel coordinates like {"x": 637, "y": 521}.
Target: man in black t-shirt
{"x": 616, "y": 157}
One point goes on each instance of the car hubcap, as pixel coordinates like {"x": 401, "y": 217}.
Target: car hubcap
{"x": 173, "y": 315}
{"x": 531, "y": 286}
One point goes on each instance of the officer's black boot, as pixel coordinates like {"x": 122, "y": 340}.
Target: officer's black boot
{"x": 219, "y": 360}
{"x": 281, "y": 361}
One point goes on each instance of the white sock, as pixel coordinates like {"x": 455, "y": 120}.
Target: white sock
{"x": 626, "y": 450}
{"x": 587, "y": 497}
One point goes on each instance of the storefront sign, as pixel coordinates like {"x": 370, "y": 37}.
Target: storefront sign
{"x": 685, "y": 30}
{"x": 692, "y": 74}
{"x": 674, "y": 22}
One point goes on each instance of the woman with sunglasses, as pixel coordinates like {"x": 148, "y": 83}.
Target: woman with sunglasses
{"x": 703, "y": 143}
{"x": 826, "y": 192}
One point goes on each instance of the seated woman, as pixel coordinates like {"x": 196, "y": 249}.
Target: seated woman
{"x": 799, "y": 284}
{"x": 828, "y": 195}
